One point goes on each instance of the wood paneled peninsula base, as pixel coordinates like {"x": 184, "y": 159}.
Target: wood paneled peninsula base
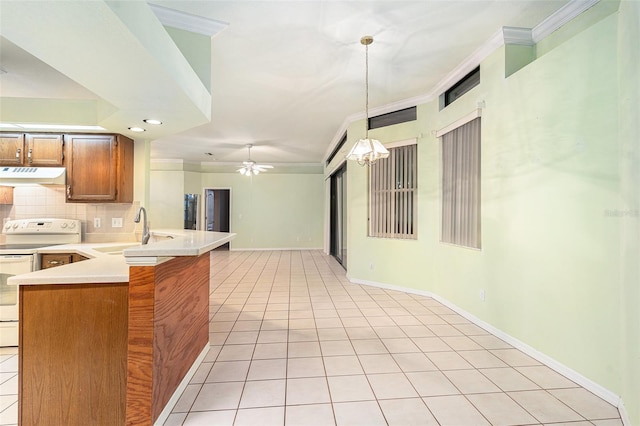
{"x": 111, "y": 353}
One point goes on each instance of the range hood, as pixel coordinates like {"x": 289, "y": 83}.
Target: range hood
{"x": 32, "y": 175}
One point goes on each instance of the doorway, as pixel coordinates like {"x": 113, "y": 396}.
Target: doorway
{"x": 217, "y": 212}
{"x": 338, "y": 239}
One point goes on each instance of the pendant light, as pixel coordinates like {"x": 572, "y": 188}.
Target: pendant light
{"x": 367, "y": 151}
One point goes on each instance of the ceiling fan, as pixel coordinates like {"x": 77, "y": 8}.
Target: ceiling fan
{"x": 250, "y": 167}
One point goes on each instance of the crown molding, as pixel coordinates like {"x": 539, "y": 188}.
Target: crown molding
{"x": 505, "y": 35}
{"x": 186, "y": 21}
{"x": 167, "y": 160}
{"x": 563, "y": 15}
{"x": 520, "y": 36}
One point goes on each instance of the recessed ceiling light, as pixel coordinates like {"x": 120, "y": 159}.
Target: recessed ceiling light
{"x": 152, "y": 121}
{"x": 137, "y": 129}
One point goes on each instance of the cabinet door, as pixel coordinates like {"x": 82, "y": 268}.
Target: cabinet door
{"x": 91, "y": 168}
{"x": 11, "y": 149}
{"x": 6, "y": 195}
{"x": 44, "y": 150}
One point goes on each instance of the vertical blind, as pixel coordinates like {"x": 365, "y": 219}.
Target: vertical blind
{"x": 461, "y": 185}
{"x": 393, "y": 183}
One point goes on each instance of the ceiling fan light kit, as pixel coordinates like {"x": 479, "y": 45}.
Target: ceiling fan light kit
{"x": 367, "y": 151}
{"x": 250, "y": 168}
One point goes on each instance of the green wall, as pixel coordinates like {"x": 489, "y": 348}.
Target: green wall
{"x": 629, "y": 225}
{"x": 269, "y": 211}
{"x": 273, "y": 210}
{"x": 559, "y": 258}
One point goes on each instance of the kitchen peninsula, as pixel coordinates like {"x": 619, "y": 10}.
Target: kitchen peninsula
{"x": 109, "y": 340}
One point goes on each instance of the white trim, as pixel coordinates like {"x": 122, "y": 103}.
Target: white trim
{"x": 561, "y": 16}
{"x": 468, "y": 65}
{"x": 334, "y": 169}
{"x": 337, "y": 137}
{"x": 166, "y": 160}
{"x": 188, "y": 22}
{"x": 459, "y": 122}
{"x": 272, "y": 163}
{"x": 405, "y": 142}
{"x": 181, "y": 387}
{"x": 521, "y": 36}
{"x": 327, "y": 214}
{"x": 539, "y": 32}
{"x": 569, "y": 373}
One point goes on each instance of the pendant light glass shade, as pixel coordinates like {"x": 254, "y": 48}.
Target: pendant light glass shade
{"x": 367, "y": 151}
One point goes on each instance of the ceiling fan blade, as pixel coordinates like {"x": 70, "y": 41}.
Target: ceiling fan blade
{"x": 264, "y": 166}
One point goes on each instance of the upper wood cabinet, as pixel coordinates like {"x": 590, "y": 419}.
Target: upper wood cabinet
{"x": 31, "y": 149}
{"x": 11, "y": 149}
{"x": 99, "y": 168}
{"x": 44, "y": 150}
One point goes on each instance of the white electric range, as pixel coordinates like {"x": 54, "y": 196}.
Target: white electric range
{"x": 19, "y": 255}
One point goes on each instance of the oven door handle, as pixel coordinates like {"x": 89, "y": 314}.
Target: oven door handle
{"x": 16, "y": 259}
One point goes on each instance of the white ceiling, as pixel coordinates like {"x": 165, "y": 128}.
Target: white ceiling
{"x": 285, "y": 75}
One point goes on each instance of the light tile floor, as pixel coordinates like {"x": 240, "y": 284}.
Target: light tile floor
{"x": 293, "y": 342}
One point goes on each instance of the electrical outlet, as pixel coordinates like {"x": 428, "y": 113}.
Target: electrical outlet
{"x": 96, "y": 222}
{"x": 482, "y": 295}
{"x": 116, "y": 222}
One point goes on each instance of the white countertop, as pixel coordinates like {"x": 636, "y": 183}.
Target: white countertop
{"x": 109, "y": 262}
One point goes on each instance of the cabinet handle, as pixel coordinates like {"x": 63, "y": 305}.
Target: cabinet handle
{"x": 68, "y": 191}
{"x": 18, "y": 155}
{"x": 54, "y": 262}
{"x": 29, "y": 155}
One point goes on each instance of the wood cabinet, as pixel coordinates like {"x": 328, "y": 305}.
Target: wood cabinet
{"x": 31, "y": 149}
{"x": 111, "y": 353}
{"x": 51, "y": 260}
{"x": 44, "y": 150}
{"x": 6, "y": 195}
{"x": 75, "y": 257}
{"x": 99, "y": 168}
{"x": 11, "y": 149}
{"x": 73, "y": 354}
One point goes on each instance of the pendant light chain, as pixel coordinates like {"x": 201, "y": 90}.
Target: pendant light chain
{"x": 366, "y": 83}
{"x": 367, "y": 151}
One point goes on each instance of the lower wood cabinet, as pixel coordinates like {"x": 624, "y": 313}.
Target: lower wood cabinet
{"x": 73, "y": 354}
{"x": 51, "y": 260}
{"x": 6, "y": 195}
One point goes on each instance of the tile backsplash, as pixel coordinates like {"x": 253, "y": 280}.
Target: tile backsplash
{"x": 39, "y": 201}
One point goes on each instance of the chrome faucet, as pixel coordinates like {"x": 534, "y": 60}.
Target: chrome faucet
{"x": 145, "y": 226}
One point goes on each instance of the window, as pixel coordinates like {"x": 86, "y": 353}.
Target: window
{"x": 465, "y": 84}
{"x": 461, "y": 185}
{"x": 391, "y": 118}
{"x": 338, "y": 147}
{"x": 393, "y": 184}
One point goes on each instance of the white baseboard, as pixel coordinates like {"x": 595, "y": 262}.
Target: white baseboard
{"x": 569, "y": 373}
{"x": 181, "y": 387}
